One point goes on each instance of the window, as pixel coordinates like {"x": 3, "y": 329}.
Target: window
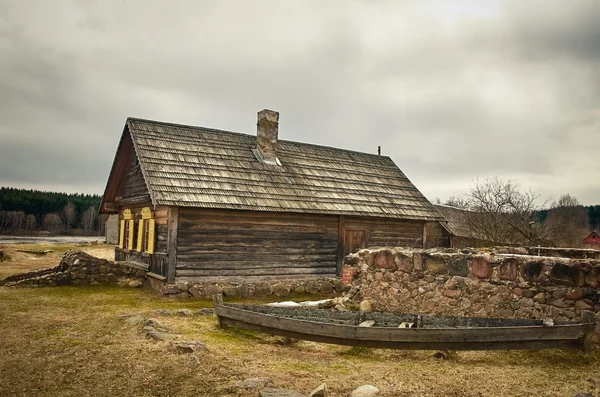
{"x": 138, "y": 237}
{"x": 145, "y": 240}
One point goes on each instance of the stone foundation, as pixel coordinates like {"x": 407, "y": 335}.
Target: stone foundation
{"x": 244, "y": 290}
{"x": 475, "y": 283}
{"x": 79, "y": 268}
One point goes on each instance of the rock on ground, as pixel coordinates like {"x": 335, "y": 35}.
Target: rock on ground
{"x": 253, "y": 383}
{"x": 365, "y": 391}
{"x": 273, "y": 392}
{"x": 320, "y": 391}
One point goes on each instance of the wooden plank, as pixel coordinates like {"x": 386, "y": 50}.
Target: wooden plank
{"x": 261, "y": 249}
{"x": 256, "y": 242}
{"x": 247, "y": 265}
{"x": 187, "y": 213}
{"x": 276, "y": 256}
{"x": 265, "y": 235}
{"x": 251, "y": 279}
{"x": 341, "y": 245}
{"x": 172, "y": 243}
{"x": 271, "y": 271}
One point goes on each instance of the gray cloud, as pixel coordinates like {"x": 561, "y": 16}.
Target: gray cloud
{"x": 451, "y": 91}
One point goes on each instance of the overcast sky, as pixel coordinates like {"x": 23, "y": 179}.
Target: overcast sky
{"x": 452, "y": 91}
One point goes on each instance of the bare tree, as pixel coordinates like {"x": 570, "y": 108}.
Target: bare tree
{"x": 88, "y": 220}
{"x": 30, "y": 223}
{"x": 52, "y": 223}
{"x": 502, "y": 213}
{"x": 458, "y": 202}
{"x": 567, "y": 222}
{"x": 69, "y": 216}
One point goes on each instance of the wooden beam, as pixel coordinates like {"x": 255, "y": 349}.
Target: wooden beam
{"x": 341, "y": 245}
{"x": 424, "y": 234}
{"x": 172, "y": 243}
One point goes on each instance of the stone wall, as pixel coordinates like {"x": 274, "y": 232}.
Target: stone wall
{"x": 79, "y": 268}
{"x": 475, "y": 283}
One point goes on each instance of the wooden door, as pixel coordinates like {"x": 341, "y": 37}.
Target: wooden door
{"x": 354, "y": 240}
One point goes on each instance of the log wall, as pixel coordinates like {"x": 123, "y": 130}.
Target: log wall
{"x": 382, "y": 232}
{"x": 132, "y": 189}
{"x": 215, "y": 245}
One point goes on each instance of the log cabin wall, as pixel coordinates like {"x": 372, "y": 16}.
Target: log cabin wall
{"x": 383, "y": 232}
{"x": 132, "y": 190}
{"x": 226, "y": 245}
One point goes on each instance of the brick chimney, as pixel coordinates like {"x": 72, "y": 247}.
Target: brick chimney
{"x": 267, "y": 128}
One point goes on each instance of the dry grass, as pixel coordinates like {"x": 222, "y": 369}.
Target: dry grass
{"x": 70, "y": 341}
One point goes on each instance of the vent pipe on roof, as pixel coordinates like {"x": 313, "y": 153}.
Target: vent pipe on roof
{"x": 267, "y": 128}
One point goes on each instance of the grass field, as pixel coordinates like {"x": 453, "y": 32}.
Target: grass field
{"x": 71, "y": 341}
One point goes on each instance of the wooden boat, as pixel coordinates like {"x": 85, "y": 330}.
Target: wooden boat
{"x": 407, "y": 331}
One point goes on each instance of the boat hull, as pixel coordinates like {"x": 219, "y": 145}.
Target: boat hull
{"x": 527, "y": 337}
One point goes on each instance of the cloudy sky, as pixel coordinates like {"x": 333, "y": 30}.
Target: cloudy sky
{"x": 451, "y": 90}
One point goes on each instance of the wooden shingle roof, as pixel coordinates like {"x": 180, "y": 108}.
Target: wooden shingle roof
{"x": 459, "y": 222}
{"x": 190, "y": 166}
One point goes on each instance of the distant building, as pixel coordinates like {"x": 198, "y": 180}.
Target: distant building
{"x": 592, "y": 241}
{"x": 112, "y": 229}
{"x": 457, "y": 231}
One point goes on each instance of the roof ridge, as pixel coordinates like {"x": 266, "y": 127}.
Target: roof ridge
{"x": 189, "y": 126}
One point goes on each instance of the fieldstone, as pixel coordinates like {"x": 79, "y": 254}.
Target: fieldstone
{"x": 452, "y": 293}
{"x": 539, "y": 298}
{"x": 244, "y": 290}
{"x": 185, "y": 312}
{"x": 253, "y": 383}
{"x": 281, "y": 290}
{"x": 458, "y": 267}
{"x": 320, "y": 391}
{"x": 170, "y": 289}
{"x": 273, "y": 392}
{"x": 134, "y": 284}
{"x": 385, "y": 259}
{"x": 532, "y": 270}
{"x": 326, "y": 287}
{"x": 135, "y": 319}
{"x": 365, "y": 391}
{"x": 205, "y": 311}
{"x": 567, "y": 275}
{"x": 418, "y": 261}
{"x": 211, "y": 291}
{"x": 154, "y": 323}
{"x": 436, "y": 266}
{"x": 508, "y": 269}
{"x": 575, "y": 294}
{"x": 231, "y": 291}
{"x": 584, "y": 304}
{"x": 365, "y": 306}
{"x": 481, "y": 268}
{"x": 559, "y": 292}
{"x": 312, "y": 287}
{"x": 164, "y": 312}
{"x": 188, "y": 347}
{"x": 195, "y": 292}
{"x": 159, "y": 336}
{"x": 560, "y": 303}
{"x": 593, "y": 277}
{"x": 300, "y": 289}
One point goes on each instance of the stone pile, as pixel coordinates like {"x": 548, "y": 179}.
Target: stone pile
{"x": 474, "y": 283}
{"x": 79, "y": 268}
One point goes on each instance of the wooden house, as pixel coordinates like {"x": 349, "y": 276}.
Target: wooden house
{"x": 198, "y": 204}
{"x": 592, "y": 241}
